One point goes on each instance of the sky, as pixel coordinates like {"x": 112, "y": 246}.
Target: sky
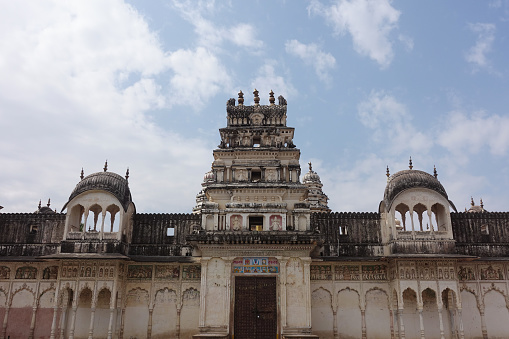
{"x": 144, "y": 85}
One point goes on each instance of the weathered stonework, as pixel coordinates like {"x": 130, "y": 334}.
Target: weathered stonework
{"x": 261, "y": 256}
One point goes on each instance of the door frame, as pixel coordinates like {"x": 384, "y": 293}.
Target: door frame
{"x": 232, "y": 300}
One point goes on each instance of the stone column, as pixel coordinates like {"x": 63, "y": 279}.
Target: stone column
{"x": 6, "y": 317}
{"x": 92, "y": 318}
{"x": 460, "y": 323}
{"x": 149, "y": 327}
{"x": 32, "y": 322}
{"x": 335, "y": 324}
{"x": 54, "y": 322}
{"x": 483, "y": 323}
{"x": 63, "y": 322}
{"x": 110, "y": 324}
{"x": 363, "y": 322}
{"x": 73, "y": 321}
{"x": 391, "y": 316}
{"x": 282, "y": 283}
{"x": 307, "y": 280}
{"x": 122, "y": 322}
{"x": 441, "y": 322}
{"x": 179, "y": 309}
{"x": 203, "y": 290}
{"x": 421, "y": 321}
{"x": 401, "y": 324}
{"x": 101, "y": 235}
{"x": 228, "y": 275}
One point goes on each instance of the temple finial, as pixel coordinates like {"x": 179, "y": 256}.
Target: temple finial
{"x": 256, "y": 97}
{"x": 272, "y": 100}
{"x": 387, "y": 173}
{"x": 49, "y": 202}
{"x": 472, "y": 201}
{"x": 82, "y": 174}
{"x": 127, "y": 174}
{"x": 106, "y": 165}
{"x": 310, "y": 166}
{"x": 410, "y": 163}
{"x": 39, "y": 204}
{"x": 482, "y": 204}
{"x": 241, "y": 98}
{"x": 435, "y": 174}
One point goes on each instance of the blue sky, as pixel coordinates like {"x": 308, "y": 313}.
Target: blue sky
{"x": 144, "y": 85}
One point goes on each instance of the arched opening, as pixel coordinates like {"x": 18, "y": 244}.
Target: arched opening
{"x": 471, "y": 315}
{"x": 440, "y": 216}
{"x": 449, "y": 312}
{"x": 410, "y": 315}
{"x": 378, "y": 318}
{"x": 419, "y": 211}
{"x": 20, "y": 314}
{"x": 404, "y": 213}
{"x": 495, "y": 310}
{"x": 430, "y": 313}
{"x": 82, "y": 323}
{"x": 349, "y": 314}
{"x": 93, "y": 216}
{"x": 102, "y": 313}
{"x": 321, "y": 312}
{"x": 76, "y": 219}
{"x": 164, "y": 316}
{"x": 111, "y": 219}
{"x": 66, "y": 300}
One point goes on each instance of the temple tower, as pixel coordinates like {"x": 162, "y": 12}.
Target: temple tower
{"x": 254, "y": 183}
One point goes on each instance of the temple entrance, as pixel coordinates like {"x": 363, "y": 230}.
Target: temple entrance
{"x": 255, "y": 312}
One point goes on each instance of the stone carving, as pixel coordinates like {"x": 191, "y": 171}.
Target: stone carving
{"x": 191, "y": 272}
{"x": 137, "y": 297}
{"x": 346, "y": 272}
{"x": 139, "y": 272}
{"x": 374, "y": 272}
{"x": 236, "y": 222}
{"x": 26, "y": 272}
{"x": 167, "y": 272}
{"x": 491, "y": 273}
{"x": 166, "y": 296}
{"x": 466, "y": 273}
{"x": 321, "y": 272}
{"x": 70, "y": 271}
{"x": 275, "y": 222}
{"x": 191, "y": 297}
{"x": 241, "y": 175}
{"x": 271, "y": 175}
{"x": 230, "y": 102}
{"x": 281, "y": 100}
{"x": 50, "y": 273}
{"x": 407, "y": 273}
{"x": 5, "y": 272}
{"x": 87, "y": 271}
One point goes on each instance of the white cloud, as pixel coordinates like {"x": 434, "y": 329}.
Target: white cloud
{"x": 483, "y": 45}
{"x": 211, "y": 35}
{"x": 199, "y": 75}
{"x": 268, "y": 80}
{"x": 469, "y": 134}
{"x": 392, "y": 124}
{"x": 77, "y": 81}
{"x": 369, "y": 22}
{"x": 312, "y": 55}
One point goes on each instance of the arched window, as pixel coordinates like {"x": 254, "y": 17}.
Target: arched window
{"x": 404, "y": 216}
{"x": 112, "y": 219}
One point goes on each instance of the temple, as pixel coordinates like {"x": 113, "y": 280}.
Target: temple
{"x": 260, "y": 256}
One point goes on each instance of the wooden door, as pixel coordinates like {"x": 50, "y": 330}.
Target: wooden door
{"x": 255, "y": 312}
